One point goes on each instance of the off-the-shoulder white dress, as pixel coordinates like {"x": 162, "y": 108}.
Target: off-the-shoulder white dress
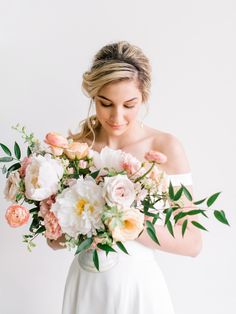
{"x": 126, "y": 284}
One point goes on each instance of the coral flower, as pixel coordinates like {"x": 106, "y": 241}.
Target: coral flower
{"x": 17, "y": 215}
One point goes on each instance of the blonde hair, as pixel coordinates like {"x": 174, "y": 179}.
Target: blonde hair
{"x": 113, "y": 62}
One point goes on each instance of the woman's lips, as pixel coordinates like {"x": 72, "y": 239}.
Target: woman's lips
{"x": 116, "y": 126}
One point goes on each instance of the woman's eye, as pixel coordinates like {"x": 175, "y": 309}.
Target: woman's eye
{"x": 105, "y": 105}
{"x": 129, "y": 107}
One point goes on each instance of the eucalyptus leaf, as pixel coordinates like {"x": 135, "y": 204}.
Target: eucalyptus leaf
{"x": 96, "y": 259}
{"x": 168, "y": 215}
{"x": 4, "y": 169}
{"x": 171, "y": 191}
{"x": 198, "y": 225}
{"x": 5, "y": 149}
{"x": 184, "y": 226}
{"x": 6, "y": 159}
{"x": 122, "y": 247}
{"x": 14, "y": 167}
{"x": 152, "y": 235}
{"x": 17, "y": 151}
{"x": 84, "y": 245}
{"x": 220, "y": 215}
{"x": 105, "y": 247}
{"x": 178, "y": 194}
{"x": 155, "y": 218}
{"x": 170, "y": 228}
{"x": 212, "y": 199}
{"x": 199, "y": 202}
{"x": 187, "y": 193}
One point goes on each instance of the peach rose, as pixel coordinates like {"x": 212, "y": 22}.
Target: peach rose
{"x": 17, "y": 215}
{"x": 155, "y": 156}
{"x": 132, "y": 225}
{"x": 46, "y": 204}
{"x": 53, "y": 229}
{"x": 76, "y": 150}
{"x": 57, "y": 142}
{"x": 26, "y": 161}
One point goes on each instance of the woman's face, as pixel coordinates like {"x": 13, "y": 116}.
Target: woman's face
{"x": 117, "y": 106}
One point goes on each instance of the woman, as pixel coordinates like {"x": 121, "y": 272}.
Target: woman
{"x": 118, "y": 83}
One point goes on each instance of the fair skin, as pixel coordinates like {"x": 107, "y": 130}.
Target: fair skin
{"x": 117, "y": 107}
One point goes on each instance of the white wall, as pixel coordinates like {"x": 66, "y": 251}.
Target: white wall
{"x": 45, "y": 46}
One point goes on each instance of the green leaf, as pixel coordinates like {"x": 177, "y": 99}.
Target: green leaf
{"x": 184, "y": 226}
{"x": 152, "y": 235}
{"x": 4, "y": 169}
{"x": 6, "y": 159}
{"x": 150, "y": 225}
{"x": 29, "y": 152}
{"x": 187, "y": 193}
{"x": 168, "y": 215}
{"x": 17, "y": 151}
{"x": 94, "y": 174}
{"x": 40, "y": 229}
{"x": 122, "y": 247}
{"x": 105, "y": 247}
{"x": 14, "y": 167}
{"x": 212, "y": 199}
{"x": 199, "y": 202}
{"x": 198, "y": 225}
{"x": 96, "y": 259}
{"x": 220, "y": 215}
{"x": 179, "y": 216}
{"x": 84, "y": 245}
{"x": 34, "y": 210}
{"x": 170, "y": 228}
{"x": 5, "y": 149}
{"x": 178, "y": 194}
{"x": 171, "y": 191}
{"x": 195, "y": 212}
{"x": 155, "y": 218}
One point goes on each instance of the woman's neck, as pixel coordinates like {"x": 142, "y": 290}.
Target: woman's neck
{"x": 127, "y": 138}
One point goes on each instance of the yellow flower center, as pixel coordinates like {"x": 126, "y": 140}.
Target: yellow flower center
{"x": 80, "y": 206}
{"x": 128, "y": 224}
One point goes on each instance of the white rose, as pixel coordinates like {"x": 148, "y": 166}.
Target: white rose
{"x": 118, "y": 190}
{"x": 12, "y": 186}
{"x": 42, "y": 177}
{"x": 132, "y": 225}
{"x": 79, "y": 208}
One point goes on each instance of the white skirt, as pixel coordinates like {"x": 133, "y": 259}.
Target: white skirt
{"x": 126, "y": 284}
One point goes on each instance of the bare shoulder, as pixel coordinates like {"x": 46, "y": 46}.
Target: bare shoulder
{"x": 172, "y": 147}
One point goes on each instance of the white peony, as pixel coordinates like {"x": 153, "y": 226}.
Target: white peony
{"x": 108, "y": 158}
{"x": 79, "y": 208}
{"x": 118, "y": 190}
{"x": 12, "y": 187}
{"x": 42, "y": 177}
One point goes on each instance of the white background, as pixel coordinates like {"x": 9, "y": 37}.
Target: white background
{"x": 45, "y": 46}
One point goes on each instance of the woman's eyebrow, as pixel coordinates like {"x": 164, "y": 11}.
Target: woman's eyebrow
{"x": 111, "y": 100}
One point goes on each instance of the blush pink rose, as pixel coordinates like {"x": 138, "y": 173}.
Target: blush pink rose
{"x": 53, "y": 229}
{"x": 77, "y": 150}
{"x": 17, "y": 215}
{"x": 156, "y": 157}
{"x": 26, "y": 161}
{"x": 57, "y": 142}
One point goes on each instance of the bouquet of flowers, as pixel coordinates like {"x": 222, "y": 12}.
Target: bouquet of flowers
{"x": 96, "y": 200}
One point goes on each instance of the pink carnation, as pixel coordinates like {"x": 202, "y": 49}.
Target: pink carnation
{"x": 53, "y": 229}
{"x": 46, "y": 204}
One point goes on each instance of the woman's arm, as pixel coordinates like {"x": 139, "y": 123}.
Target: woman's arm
{"x": 191, "y": 243}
